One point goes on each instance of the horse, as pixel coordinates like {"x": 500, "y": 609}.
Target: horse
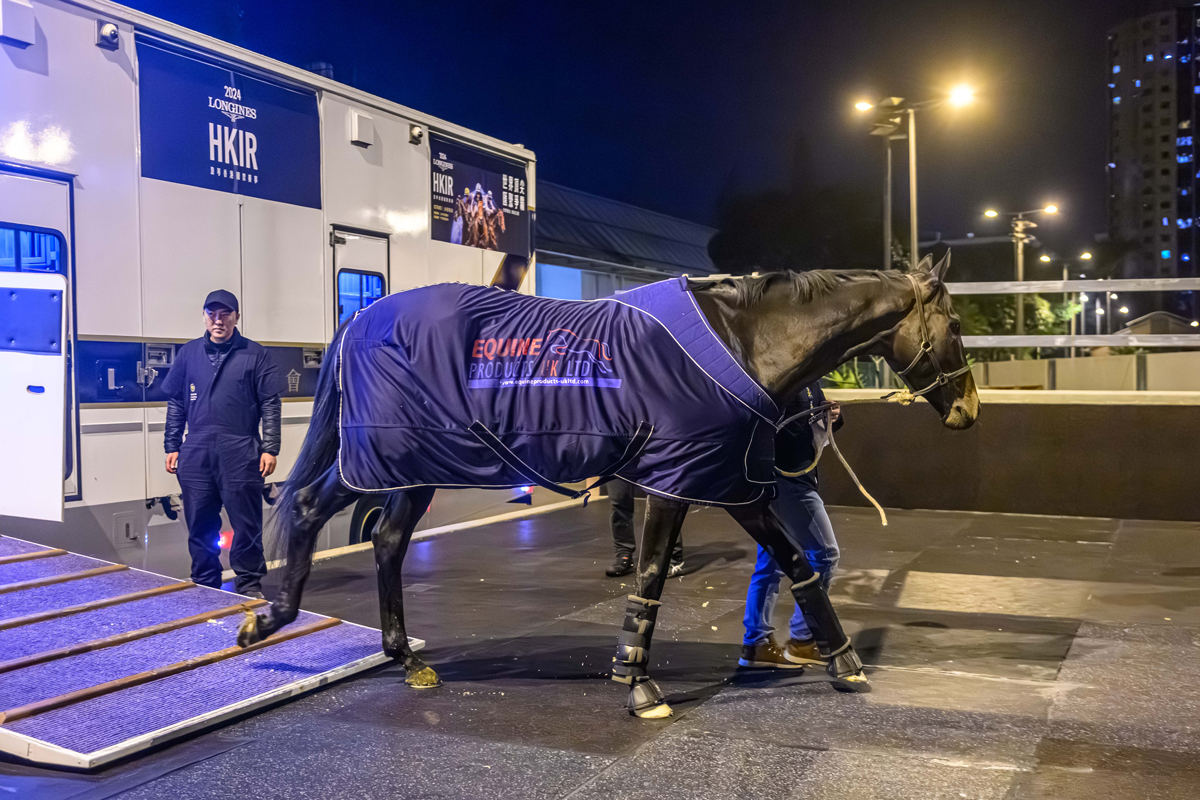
{"x": 783, "y": 330}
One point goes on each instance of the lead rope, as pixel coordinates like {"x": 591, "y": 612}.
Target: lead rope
{"x": 825, "y": 409}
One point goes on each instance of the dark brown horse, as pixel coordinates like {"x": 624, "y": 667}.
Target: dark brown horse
{"x": 787, "y": 330}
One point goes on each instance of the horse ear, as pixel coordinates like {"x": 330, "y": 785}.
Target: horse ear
{"x": 925, "y": 264}
{"x": 942, "y": 267}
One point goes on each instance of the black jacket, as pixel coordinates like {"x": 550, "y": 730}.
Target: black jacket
{"x": 223, "y": 394}
{"x": 794, "y": 449}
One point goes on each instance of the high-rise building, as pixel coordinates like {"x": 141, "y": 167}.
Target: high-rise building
{"x": 1153, "y": 174}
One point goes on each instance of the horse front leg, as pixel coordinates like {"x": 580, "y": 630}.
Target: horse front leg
{"x": 303, "y": 518}
{"x": 664, "y": 520}
{"x": 764, "y": 527}
{"x": 400, "y": 517}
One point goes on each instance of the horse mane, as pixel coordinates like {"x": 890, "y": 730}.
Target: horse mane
{"x": 748, "y": 290}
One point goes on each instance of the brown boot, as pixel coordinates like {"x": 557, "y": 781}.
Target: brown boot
{"x": 803, "y": 652}
{"x": 766, "y": 655}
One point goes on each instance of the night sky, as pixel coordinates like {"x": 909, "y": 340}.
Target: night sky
{"x": 665, "y": 104}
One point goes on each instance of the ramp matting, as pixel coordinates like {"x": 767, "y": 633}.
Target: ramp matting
{"x": 96, "y": 665}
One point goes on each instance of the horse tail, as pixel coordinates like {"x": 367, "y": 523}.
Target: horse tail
{"x": 319, "y": 451}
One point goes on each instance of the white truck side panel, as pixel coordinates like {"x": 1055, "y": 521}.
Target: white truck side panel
{"x": 284, "y": 292}
{"x": 69, "y": 105}
{"x": 453, "y": 262}
{"x": 190, "y": 246}
{"x": 26, "y": 200}
{"x": 113, "y": 462}
{"x": 159, "y": 482}
{"x": 383, "y": 187}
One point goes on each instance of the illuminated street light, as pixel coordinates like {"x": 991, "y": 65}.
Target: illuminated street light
{"x": 889, "y": 118}
{"x": 1045, "y": 258}
{"x": 1196, "y": 323}
{"x": 1085, "y": 256}
{"x": 1020, "y": 237}
{"x": 1124, "y": 309}
{"x": 962, "y": 95}
{"x": 1113, "y": 295}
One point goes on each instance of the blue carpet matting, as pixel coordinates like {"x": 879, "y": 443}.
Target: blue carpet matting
{"x": 12, "y": 547}
{"x": 105, "y": 722}
{"x": 74, "y": 593}
{"x": 46, "y": 568}
{"x": 110, "y": 621}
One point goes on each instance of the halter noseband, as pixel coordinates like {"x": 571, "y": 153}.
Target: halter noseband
{"x": 943, "y": 377}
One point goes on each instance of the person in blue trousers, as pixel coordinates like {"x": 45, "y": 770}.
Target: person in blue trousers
{"x": 221, "y": 386}
{"x": 807, "y": 525}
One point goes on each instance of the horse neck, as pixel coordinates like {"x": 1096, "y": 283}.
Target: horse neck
{"x": 787, "y": 344}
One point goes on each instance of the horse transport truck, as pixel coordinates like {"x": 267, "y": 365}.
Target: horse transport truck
{"x": 143, "y": 165}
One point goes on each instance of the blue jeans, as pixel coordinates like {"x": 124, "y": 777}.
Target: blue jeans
{"x": 807, "y": 527}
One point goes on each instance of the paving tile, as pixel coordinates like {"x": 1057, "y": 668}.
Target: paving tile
{"x": 840, "y": 775}
{"x": 678, "y": 765}
{"x": 907, "y": 713}
{"x": 370, "y": 762}
{"x": 1068, "y": 770}
{"x": 1131, "y": 687}
{"x": 994, "y": 594}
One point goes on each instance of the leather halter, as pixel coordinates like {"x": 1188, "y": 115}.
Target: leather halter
{"x": 943, "y": 377}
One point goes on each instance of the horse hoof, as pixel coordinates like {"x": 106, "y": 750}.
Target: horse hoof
{"x": 857, "y": 683}
{"x": 424, "y": 678}
{"x": 660, "y": 711}
{"x": 248, "y": 631}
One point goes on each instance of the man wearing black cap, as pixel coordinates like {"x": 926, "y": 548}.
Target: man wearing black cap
{"x": 220, "y": 386}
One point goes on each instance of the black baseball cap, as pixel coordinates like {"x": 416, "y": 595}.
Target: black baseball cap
{"x": 221, "y": 298}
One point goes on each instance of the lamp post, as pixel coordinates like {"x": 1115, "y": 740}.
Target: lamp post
{"x": 1019, "y": 237}
{"x": 889, "y": 117}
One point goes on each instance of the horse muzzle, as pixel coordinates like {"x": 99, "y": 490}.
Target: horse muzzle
{"x": 964, "y": 410}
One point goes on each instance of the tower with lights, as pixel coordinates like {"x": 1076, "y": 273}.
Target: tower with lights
{"x": 1153, "y": 176}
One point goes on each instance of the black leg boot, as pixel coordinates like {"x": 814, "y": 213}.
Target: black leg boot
{"x": 844, "y": 666}
{"x": 633, "y": 654}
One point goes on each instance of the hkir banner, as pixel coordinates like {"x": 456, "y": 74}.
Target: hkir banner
{"x": 479, "y": 200}
{"x": 206, "y": 122}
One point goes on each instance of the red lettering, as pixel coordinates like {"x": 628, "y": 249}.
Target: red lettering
{"x": 554, "y": 368}
{"x": 537, "y": 345}
{"x": 516, "y": 345}
{"x": 503, "y": 349}
{"x": 524, "y": 348}
{"x": 489, "y": 349}
{"x": 477, "y": 350}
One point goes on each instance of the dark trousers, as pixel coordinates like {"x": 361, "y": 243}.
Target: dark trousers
{"x": 620, "y": 497}
{"x": 211, "y": 478}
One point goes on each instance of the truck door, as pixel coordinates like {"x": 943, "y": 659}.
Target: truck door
{"x": 360, "y": 266}
{"x": 38, "y": 414}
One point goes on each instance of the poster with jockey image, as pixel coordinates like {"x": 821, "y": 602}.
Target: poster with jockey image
{"x": 479, "y": 199}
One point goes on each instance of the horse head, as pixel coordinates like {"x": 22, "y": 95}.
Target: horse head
{"x": 926, "y": 348}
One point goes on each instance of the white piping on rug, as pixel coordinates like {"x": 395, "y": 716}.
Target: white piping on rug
{"x": 323, "y": 555}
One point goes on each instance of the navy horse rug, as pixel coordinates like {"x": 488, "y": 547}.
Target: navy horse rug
{"x": 468, "y": 386}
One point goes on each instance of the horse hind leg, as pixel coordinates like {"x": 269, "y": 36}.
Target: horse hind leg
{"x": 401, "y": 515}
{"x": 845, "y": 668}
{"x": 664, "y": 520}
{"x": 314, "y": 505}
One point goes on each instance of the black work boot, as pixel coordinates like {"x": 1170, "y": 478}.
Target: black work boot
{"x": 622, "y": 565}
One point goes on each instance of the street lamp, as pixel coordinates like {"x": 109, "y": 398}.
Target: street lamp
{"x": 889, "y": 117}
{"x": 1020, "y": 237}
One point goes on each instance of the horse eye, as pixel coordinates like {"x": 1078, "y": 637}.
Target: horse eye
{"x": 954, "y": 326}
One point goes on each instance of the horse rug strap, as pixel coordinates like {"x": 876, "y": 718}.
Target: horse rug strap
{"x": 637, "y": 443}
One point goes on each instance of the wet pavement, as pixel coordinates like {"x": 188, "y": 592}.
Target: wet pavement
{"x": 1012, "y": 657}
